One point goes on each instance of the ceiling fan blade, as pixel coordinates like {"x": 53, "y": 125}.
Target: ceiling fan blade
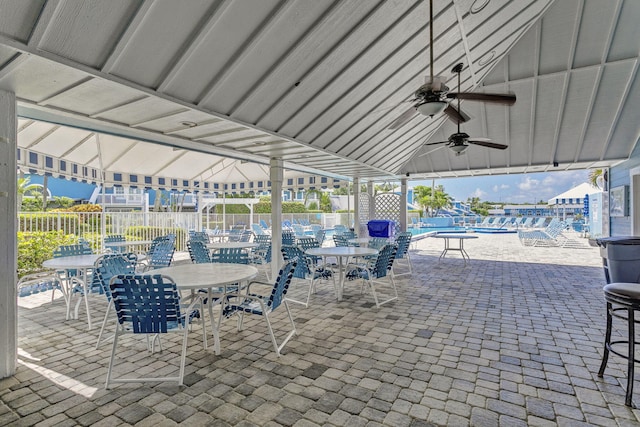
{"x": 456, "y": 116}
{"x": 496, "y": 98}
{"x": 436, "y": 143}
{"x": 487, "y": 143}
{"x": 435, "y": 149}
{"x": 403, "y": 118}
{"x": 389, "y": 107}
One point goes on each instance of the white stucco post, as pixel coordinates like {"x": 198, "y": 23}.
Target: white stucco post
{"x": 8, "y": 229}
{"x": 403, "y": 204}
{"x": 276, "y": 174}
{"x": 356, "y": 205}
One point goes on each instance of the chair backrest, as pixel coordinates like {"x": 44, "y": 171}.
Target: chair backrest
{"x": 340, "y": 240}
{"x": 146, "y": 304}
{"x": 71, "y": 250}
{"x": 264, "y": 246}
{"x": 246, "y": 236}
{"x": 384, "y": 261}
{"x": 198, "y": 252}
{"x": 109, "y": 266}
{"x": 320, "y": 236}
{"x": 235, "y": 234}
{"x": 281, "y": 286}
{"x": 288, "y": 238}
{"x": 113, "y": 238}
{"x": 198, "y": 235}
{"x": 167, "y": 238}
{"x": 403, "y": 240}
{"x": 308, "y": 243}
{"x": 349, "y": 234}
{"x": 377, "y": 242}
{"x": 293, "y": 252}
{"x": 162, "y": 254}
{"x": 231, "y": 255}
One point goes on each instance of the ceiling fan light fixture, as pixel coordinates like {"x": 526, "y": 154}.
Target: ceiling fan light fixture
{"x": 431, "y": 108}
{"x": 458, "y": 148}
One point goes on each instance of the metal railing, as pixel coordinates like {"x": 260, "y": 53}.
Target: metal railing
{"x": 93, "y": 226}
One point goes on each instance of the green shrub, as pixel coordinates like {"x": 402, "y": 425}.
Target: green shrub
{"x": 36, "y": 247}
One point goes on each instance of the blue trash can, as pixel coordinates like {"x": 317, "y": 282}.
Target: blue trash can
{"x": 381, "y": 228}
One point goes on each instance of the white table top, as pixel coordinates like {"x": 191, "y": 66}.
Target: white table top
{"x": 197, "y": 276}
{"x": 231, "y": 245}
{"x": 128, "y": 243}
{"x": 455, "y": 236}
{"x": 69, "y": 262}
{"x": 341, "y": 251}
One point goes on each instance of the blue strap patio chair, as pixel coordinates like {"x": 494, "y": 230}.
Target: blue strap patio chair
{"x": 340, "y": 240}
{"x": 377, "y": 242}
{"x": 199, "y": 236}
{"x": 150, "y": 305}
{"x": 230, "y": 255}
{"x": 403, "y": 242}
{"x": 35, "y": 283}
{"x": 320, "y": 235}
{"x": 339, "y": 229}
{"x": 263, "y": 305}
{"x": 198, "y": 252}
{"x": 162, "y": 255}
{"x": 288, "y": 238}
{"x": 261, "y": 254}
{"x": 308, "y": 269}
{"x": 376, "y": 269}
{"x": 114, "y": 238}
{"x": 105, "y": 268}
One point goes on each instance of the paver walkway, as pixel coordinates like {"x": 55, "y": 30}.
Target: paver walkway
{"x": 514, "y": 338}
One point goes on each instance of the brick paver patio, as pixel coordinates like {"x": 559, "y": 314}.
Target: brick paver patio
{"x": 514, "y": 338}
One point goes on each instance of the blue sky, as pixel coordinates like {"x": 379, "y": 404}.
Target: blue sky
{"x": 522, "y": 188}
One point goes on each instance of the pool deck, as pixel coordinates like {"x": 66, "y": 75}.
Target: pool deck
{"x": 514, "y": 338}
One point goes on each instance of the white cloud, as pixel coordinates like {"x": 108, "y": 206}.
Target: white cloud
{"x": 479, "y": 193}
{"x": 528, "y": 184}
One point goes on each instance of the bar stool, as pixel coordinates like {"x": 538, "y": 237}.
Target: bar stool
{"x": 622, "y": 297}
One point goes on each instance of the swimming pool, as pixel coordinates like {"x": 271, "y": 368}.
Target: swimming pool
{"x": 439, "y": 230}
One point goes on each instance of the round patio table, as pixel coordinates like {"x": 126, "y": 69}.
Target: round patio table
{"x": 82, "y": 263}
{"x": 341, "y": 253}
{"x": 215, "y": 277}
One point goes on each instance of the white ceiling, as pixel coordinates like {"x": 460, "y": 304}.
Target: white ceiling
{"x": 315, "y": 82}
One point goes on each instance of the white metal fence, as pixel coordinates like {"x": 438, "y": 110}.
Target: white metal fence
{"x": 92, "y": 226}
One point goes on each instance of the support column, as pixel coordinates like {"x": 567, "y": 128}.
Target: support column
{"x": 403, "y": 205}
{"x": 8, "y": 232}
{"x": 356, "y": 206}
{"x": 276, "y": 174}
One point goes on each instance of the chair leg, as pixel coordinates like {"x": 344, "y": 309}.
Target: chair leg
{"x": 104, "y": 323}
{"x": 183, "y": 355}
{"x": 607, "y": 342}
{"x": 631, "y": 360}
{"x": 113, "y": 355}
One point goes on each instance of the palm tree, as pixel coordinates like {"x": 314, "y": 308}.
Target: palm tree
{"x": 23, "y": 183}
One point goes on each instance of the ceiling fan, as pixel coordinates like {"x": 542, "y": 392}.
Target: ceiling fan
{"x": 459, "y": 141}
{"x": 432, "y": 97}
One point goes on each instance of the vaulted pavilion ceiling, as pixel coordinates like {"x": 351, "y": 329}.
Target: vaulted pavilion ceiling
{"x": 317, "y": 82}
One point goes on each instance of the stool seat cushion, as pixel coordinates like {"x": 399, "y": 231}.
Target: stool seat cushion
{"x": 625, "y": 290}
